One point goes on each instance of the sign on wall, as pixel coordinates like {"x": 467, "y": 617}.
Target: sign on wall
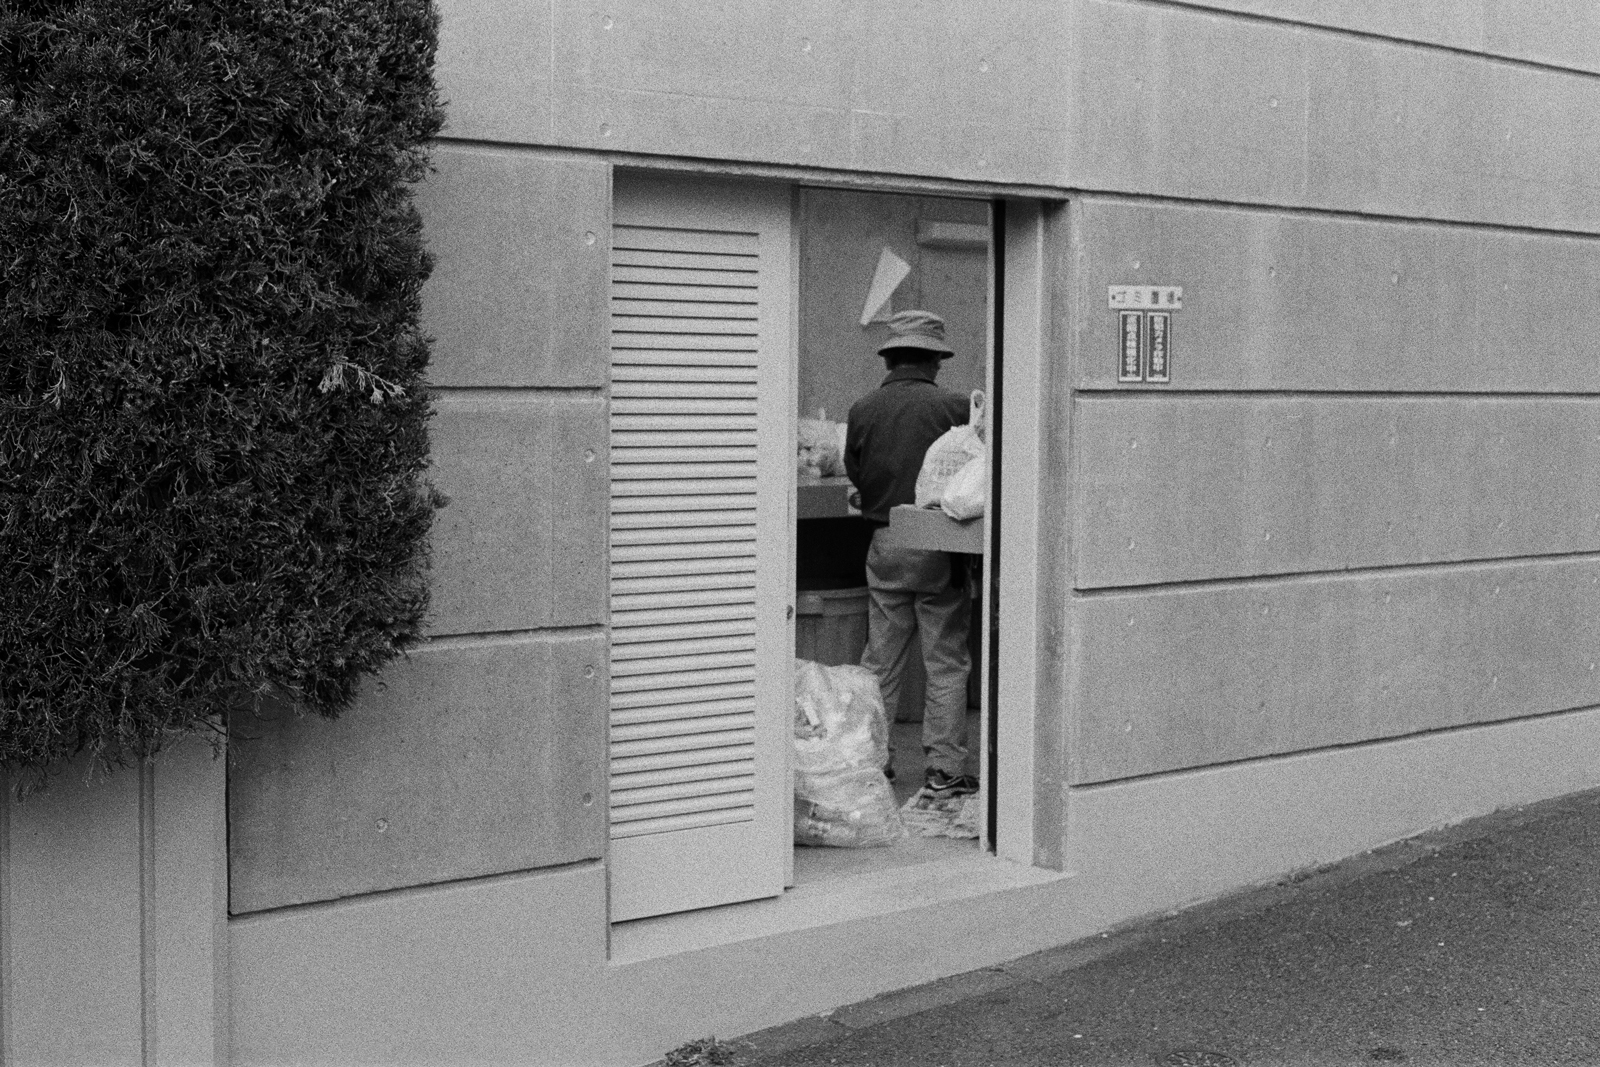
{"x": 1144, "y": 334}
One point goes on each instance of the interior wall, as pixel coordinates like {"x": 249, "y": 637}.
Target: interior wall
{"x": 842, "y": 235}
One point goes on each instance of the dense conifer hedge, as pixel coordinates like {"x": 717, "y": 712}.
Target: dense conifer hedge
{"x": 212, "y": 427}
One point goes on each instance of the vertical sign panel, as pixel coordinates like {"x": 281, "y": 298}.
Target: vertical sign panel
{"x": 1158, "y": 366}
{"x": 1130, "y": 346}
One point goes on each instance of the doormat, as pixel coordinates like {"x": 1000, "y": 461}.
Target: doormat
{"x": 930, "y": 816}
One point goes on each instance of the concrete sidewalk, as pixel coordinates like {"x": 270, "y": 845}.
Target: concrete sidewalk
{"x": 1476, "y": 944}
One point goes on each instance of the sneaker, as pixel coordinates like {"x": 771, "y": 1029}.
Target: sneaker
{"x": 940, "y": 784}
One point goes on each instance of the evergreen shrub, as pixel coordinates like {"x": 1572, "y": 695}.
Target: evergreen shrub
{"x": 213, "y": 427}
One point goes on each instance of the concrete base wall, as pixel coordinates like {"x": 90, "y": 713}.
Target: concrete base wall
{"x": 514, "y": 969}
{"x": 113, "y": 943}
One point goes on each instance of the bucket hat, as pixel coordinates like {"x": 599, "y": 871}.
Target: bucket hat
{"x": 917, "y": 329}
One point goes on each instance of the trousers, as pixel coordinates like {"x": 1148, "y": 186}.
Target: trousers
{"x": 910, "y": 595}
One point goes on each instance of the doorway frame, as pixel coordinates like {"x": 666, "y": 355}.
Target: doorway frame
{"x": 1011, "y": 723}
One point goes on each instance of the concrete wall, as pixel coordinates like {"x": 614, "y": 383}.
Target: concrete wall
{"x": 1362, "y": 508}
{"x": 1091, "y": 94}
{"x": 1351, "y": 542}
{"x": 1381, "y": 221}
{"x": 485, "y": 752}
{"x": 113, "y": 937}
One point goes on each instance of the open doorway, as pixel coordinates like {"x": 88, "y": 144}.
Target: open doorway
{"x": 737, "y": 309}
{"x": 862, "y": 258}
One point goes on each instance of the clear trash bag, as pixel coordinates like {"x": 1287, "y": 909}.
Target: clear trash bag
{"x": 841, "y": 743}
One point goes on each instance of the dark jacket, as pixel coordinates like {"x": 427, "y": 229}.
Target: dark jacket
{"x": 889, "y": 432}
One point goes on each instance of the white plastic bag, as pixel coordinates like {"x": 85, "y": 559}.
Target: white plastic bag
{"x": 819, "y": 446}
{"x": 954, "y": 449}
{"x": 967, "y": 494}
{"x": 841, "y": 742}
{"x": 849, "y": 808}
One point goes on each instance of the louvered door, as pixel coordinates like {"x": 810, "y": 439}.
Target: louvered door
{"x": 701, "y": 483}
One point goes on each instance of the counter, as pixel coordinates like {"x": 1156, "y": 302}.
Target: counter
{"x": 930, "y": 528}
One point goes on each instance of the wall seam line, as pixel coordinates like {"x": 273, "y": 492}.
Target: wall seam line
{"x": 1109, "y": 392}
{"x": 974, "y": 189}
{"x": 1411, "y": 43}
{"x": 1341, "y": 746}
{"x": 494, "y": 638}
{"x": 1093, "y": 195}
{"x": 524, "y": 393}
{"x": 252, "y": 917}
{"x": 1351, "y": 573}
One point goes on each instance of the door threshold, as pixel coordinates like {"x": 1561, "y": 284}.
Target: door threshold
{"x": 945, "y": 877}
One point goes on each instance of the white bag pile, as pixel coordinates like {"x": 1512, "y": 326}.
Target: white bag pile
{"x": 841, "y": 743}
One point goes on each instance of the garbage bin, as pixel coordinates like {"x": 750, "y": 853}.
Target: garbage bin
{"x": 830, "y": 627}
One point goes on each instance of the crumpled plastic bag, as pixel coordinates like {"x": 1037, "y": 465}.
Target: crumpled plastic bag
{"x": 841, "y": 743}
{"x": 819, "y": 446}
{"x": 967, "y": 493}
{"x": 953, "y": 450}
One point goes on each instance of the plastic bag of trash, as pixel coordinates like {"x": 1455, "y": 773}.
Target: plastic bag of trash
{"x": 967, "y": 494}
{"x": 853, "y": 807}
{"x": 841, "y": 743}
{"x": 953, "y": 450}
{"x": 819, "y": 446}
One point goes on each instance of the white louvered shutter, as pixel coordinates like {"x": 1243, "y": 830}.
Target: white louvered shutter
{"x": 701, "y": 469}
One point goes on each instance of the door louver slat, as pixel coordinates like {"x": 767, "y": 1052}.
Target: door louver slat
{"x": 709, "y": 699}
{"x": 683, "y": 589}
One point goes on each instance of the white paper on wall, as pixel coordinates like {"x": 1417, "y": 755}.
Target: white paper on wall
{"x": 891, "y": 271}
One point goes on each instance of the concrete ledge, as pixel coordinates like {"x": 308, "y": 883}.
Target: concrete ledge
{"x": 828, "y": 903}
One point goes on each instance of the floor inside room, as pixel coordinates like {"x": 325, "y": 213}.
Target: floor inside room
{"x": 820, "y": 864}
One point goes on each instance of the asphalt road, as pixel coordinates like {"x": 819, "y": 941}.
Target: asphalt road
{"x": 1478, "y": 944}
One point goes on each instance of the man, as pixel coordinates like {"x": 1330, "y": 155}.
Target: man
{"x": 913, "y": 591}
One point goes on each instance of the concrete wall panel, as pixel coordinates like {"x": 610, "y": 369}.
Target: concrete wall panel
{"x": 518, "y": 292}
{"x": 491, "y": 972}
{"x": 821, "y": 82}
{"x": 1174, "y": 839}
{"x": 1211, "y": 488}
{"x": 1429, "y": 134}
{"x": 113, "y": 940}
{"x": 1563, "y": 33}
{"x": 1452, "y": 23}
{"x": 1178, "y": 102}
{"x": 494, "y": 69}
{"x": 1275, "y": 301}
{"x": 521, "y": 545}
{"x": 1170, "y": 679}
{"x": 1185, "y": 104}
{"x": 1095, "y": 94}
{"x": 72, "y": 878}
{"x": 467, "y": 760}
